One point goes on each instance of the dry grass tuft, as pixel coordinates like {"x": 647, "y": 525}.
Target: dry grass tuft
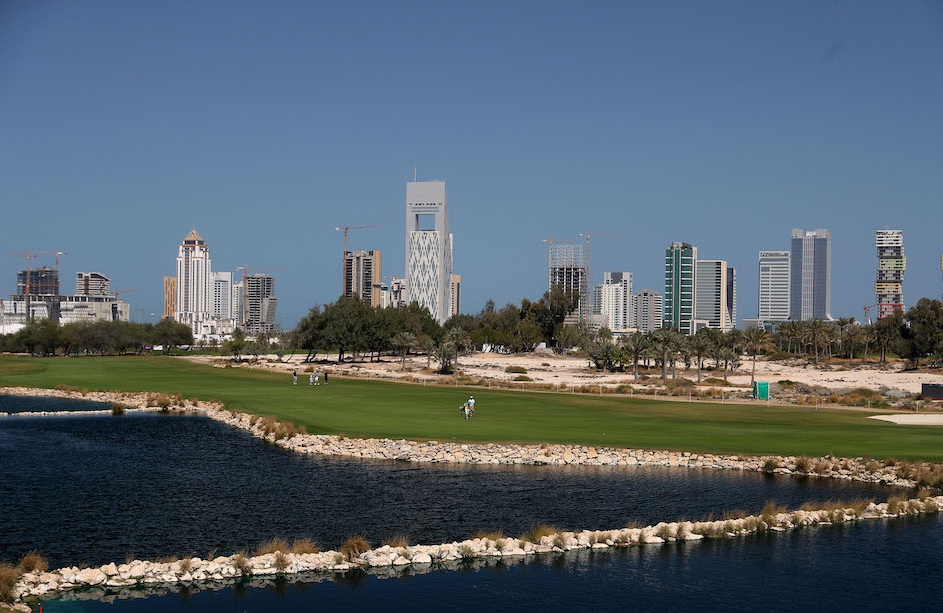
{"x": 32, "y": 562}
{"x": 803, "y": 464}
{"x": 354, "y": 546}
{"x": 241, "y": 563}
{"x": 272, "y": 546}
{"x": 8, "y": 578}
{"x": 398, "y": 541}
{"x": 538, "y": 532}
{"x": 281, "y": 562}
{"x": 304, "y": 545}
{"x": 119, "y": 408}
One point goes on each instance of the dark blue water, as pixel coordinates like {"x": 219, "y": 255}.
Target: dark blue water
{"x": 98, "y": 488}
{"x": 25, "y": 404}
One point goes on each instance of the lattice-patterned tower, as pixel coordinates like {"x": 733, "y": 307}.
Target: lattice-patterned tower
{"x": 888, "y": 286}
{"x": 428, "y": 248}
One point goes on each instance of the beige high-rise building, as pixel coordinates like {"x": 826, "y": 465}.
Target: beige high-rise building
{"x": 456, "y": 293}
{"x": 362, "y": 275}
{"x": 170, "y": 297}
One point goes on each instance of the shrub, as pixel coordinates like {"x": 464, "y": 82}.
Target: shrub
{"x": 354, "y": 546}
{"x": 119, "y": 408}
{"x": 803, "y": 464}
{"x": 522, "y": 378}
{"x": 770, "y": 465}
{"x": 823, "y": 466}
{"x": 162, "y": 401}
{"x": 896, "y": 505}
{"x": 8, "y": 579}
{"x": 516, "y": 369}
{"x": 713, "y": 381}
{"x": 32, "y": 562}
{"x": 185, "y": 565}
{"x": 664, "y": 532}
{"x": 905, "y": 470}
{"x": 304, "y": 545}
{"x": 466, "y": 551}
{"x": 272, "y": 546}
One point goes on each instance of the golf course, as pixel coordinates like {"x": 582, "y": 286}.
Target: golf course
{"x": 368, "y": 408}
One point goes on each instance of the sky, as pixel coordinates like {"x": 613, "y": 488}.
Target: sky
{"x": 266, "y": 125}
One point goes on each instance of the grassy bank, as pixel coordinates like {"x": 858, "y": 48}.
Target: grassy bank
{"x": 365, "y": 408}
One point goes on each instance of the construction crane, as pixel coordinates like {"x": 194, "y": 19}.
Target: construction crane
{"x": 585, "y": 293}
{"x": 118, "y": 293}
{"x": 867, "y": 313}
{"x": 29, "y": 255}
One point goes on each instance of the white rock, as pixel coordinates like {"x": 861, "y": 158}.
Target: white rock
{"x": 90, "y": 576}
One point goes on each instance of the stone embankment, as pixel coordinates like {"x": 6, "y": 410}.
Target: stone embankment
{"x": 419, "y": 558}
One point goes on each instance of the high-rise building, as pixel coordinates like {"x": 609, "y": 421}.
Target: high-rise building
{"x": 362, "y": 274}
{"x": 170, "y": 297}
{"x": 43, "y": 281}
{"x": 888, "y": 286}
{"x": 456, "y": 289}
{"x": 613, "y": 301}
{"x": 568, "y": 271}
{"x": 222, "y": 296}
{"x": 92, "y": 284}
{"x": 648, "y": 310}
{"x": 732, "y": 296}
{"x": 428, "y": 248}
{"x": 194, "y": 282}
{"x": 394, "y": 295}
{"x": 774, "y": 286}
{"x": 680, "y": 285}
{"x": 239, "y": 304}
{"x": 810, "y": 277}
{"x": 712, "y": 302}
{"x": 260, "y": 303}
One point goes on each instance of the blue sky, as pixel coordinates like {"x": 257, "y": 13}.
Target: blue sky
{"x": 123, "y": 125}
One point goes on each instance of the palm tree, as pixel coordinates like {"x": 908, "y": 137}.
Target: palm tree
{"x": 699, "y": 345}
{"x": 636, "y": 344}
{"x": 662, "y": 341}
{"x": 754, "y": 341}
{"x": 818, "y": 334}
{"x": 728, "y": 356}
{"x": 460, "y": 341}
{"x": 791, "y": 332}
{"x": 403, "y": 340}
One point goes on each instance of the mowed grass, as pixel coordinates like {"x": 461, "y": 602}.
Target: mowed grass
{"x": 366, "y": 408}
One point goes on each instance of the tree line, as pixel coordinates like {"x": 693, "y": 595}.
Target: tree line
{"x": 46, "y": 337}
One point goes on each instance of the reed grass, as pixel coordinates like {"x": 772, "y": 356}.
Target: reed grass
{"x": 354, "y": 546}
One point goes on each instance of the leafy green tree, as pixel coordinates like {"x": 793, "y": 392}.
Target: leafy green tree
{"x": 402, "y": 341}
{"x": 636, "y": 344}
{"x": 700, "y": 346}
{"x": 922, "y": 335}
{"x": 887, "y": 333}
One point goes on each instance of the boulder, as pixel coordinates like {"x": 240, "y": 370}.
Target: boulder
{"x": 90, "y": 576}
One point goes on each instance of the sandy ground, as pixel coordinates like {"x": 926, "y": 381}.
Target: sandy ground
{"x": 547, "y": 367}
{"x": 913, "y": 419}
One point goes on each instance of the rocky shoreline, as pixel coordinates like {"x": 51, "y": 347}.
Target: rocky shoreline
{"x": 227, "y": 569}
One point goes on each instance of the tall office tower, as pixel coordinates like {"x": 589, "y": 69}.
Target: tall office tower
{"x": 260, "y": 303}
{"x": 42, "y": 281}
{"x": 396, "y": 293}
{"x": 680, "y": 285}
{"x": 712, "y": 303}
{"x": 732, "y": 296}
{"x": 888, "y": 287}
{"x": 810, "y": 276}
{"x": 568, "y": 270}
{"x": 614, "y": 299}
{"x": 774, "y": 286}
{"x": 362, "y": 274}
{"x": 194, "y": 282}
{"x": 222, "y": 295}
{"x": 428, "y": 248}
{"x": 170, "y": 297}
{"x": 239, "y": 305}
{"x": 456, "y": 289}
{"x": 92, "y": 284}
{"x": 648, "y": 310}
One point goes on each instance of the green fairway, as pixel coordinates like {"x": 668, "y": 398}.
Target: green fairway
{"x": 365, "y": 408}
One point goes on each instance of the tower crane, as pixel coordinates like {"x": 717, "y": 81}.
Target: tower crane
{"x": 867, "y": 313}
{"x": 585, "y": 293}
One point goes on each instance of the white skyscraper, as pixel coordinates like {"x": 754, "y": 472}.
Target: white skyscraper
{"x": 194, "y": 282}
{"x": 614, "y": 299}
{"x": 222, "y": 295}
{"x": 648, "y": 310}
{"x": 712, "y": 304}
{"x": 774, "y": 286}
{"x": 428, "y": 248}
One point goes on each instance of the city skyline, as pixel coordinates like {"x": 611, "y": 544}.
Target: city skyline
{"x": 720, "y": 125}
